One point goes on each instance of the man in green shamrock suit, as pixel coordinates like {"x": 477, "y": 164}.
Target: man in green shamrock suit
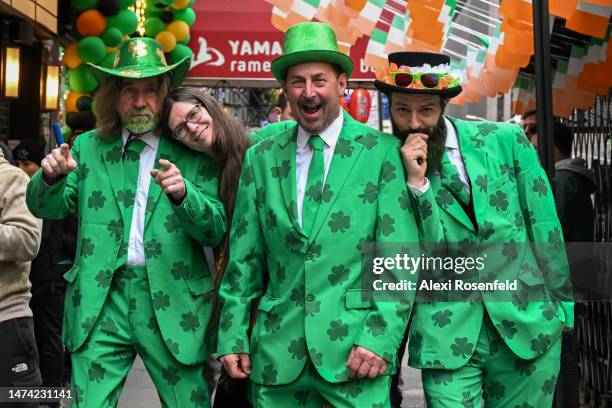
{"x": 479, "y": 185}
{"x": 140, "y": 283}
{"x": 312, "y": 193}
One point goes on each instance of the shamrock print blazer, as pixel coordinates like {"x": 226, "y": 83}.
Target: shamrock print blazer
{"x": 181, "y": 285}
{"x": 517, "y": 230}
{"x": 315, "y": 306}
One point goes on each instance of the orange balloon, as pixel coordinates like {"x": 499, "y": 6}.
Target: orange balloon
{"x": 91, "y": 22}
{"x": 71, "y": 56}
{"x": 71, "y": 101}
{"x": 167, "y": 40}
{"x": 180, "y": 4}
{"x": 356, "y": 5}
{"x": 179, "y": 29}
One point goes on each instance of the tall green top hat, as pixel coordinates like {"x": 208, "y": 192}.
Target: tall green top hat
{"x": 143, "y": 58}
{"x": 310, "y": 42}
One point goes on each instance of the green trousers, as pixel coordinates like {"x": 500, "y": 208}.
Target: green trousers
{"x": 127, "y": 326}
{"x": 310, "y": 390}
{"x": 496, "y": 374}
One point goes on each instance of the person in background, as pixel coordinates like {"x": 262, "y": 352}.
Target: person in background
{"x": 28, "y": 154}
{"x": 574, "y": 184}
{"x": 198, "y": 121}
{"x": 8, "y": 155}
{"x": 282, "y": 110}
{"x": 54, "y": 259}
{"x": 20, "y": 240}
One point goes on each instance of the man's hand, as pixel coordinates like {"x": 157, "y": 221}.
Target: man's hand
{"x": 57, "y": 163}
{"x": 362, "y": 362}
{"x": 170, "y": 180}
{"x": 414, "y": 154}
{"x": 237, "y": 365}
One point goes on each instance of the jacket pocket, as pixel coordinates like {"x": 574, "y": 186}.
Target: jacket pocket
{"x": 267, "y": 303}
{"x": 358, "y": 299}
{"x": 199, "y": 287}
{"x": 71, "y": 275}
{"x": 529, "y": 279}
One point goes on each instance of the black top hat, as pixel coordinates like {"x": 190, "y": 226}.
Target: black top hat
{"x": 419, "y": 63}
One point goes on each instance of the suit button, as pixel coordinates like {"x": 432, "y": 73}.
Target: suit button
{"x": 309, "y": 256}
{"x": 310, "y": 297}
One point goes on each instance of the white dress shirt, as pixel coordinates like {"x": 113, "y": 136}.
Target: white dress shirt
{"x": 454, "y": 156}
{"x": 136, "y": 254}
{"x": 304, "y": 156}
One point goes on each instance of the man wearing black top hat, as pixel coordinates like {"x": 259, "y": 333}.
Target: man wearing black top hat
{"x": 479, "y": 185}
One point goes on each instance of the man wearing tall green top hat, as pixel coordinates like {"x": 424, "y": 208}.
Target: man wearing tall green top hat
{"x": 140, "y": 283}
{"x": 313, "y": 193}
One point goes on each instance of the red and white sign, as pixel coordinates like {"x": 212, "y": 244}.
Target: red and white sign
{"x": 236, "y": 40}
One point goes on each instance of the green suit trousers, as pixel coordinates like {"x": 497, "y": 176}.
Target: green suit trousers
{"x": 496, "y": 374}
{"x": 127, "y": 326}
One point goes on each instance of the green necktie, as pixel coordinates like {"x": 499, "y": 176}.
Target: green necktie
{"x": 452, "y": 181}
{"x": 314, "y": 183}
{"x": 131, "y": 167}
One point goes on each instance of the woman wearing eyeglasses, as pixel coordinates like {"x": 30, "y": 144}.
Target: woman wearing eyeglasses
{"x": 195, "y": 119}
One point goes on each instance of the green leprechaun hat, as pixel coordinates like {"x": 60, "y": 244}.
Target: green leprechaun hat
{"x": 143, "y": 57}
{"x": 310, "y": 42}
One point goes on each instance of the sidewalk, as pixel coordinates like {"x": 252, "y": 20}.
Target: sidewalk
{"x": 139, "y": 391}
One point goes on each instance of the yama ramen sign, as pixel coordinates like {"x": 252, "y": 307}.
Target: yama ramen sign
{"x": 235, "y": 40}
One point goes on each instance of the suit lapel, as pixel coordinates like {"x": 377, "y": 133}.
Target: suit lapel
{"x": 284, "y": 172}
{"x": 346, "y": 154}
{"x": 110, "y": 151}
{"x": 471, "y": 144}
{"x": 165, "y": 150}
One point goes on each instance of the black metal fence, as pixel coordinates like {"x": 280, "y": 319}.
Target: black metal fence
{"x": 593, "y": 129}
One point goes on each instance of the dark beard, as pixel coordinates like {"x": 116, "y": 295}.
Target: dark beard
{"x": 436, "y": 143}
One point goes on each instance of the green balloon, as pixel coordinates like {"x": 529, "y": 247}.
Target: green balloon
{"x": 186, "y": 40}
{"x": 91, "y": 49}
{"x": 153, "y": 26}
{"x": 112, "y": 36}
{"x": 179, "y": 52}
{"x": 187, "y": 15}
{"x": 126, "y": 3}
{"x": 84, "y": 103}
{"x": 126, "y": 21}
{"x": 153, "y": 12}
{"x": 82, "y": 5}
{"x": 81, "y": 80}
{"x": 109, "y": 60}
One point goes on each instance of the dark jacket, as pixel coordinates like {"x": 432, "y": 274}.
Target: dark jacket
{"x": 58, "y": 246}
{"x": 574, "y": 184}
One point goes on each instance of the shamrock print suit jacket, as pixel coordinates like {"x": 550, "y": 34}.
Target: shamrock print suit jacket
{"x": 314, "y": 306}
{"x": 518, "y": 234}
{"x": 181, "y": 284}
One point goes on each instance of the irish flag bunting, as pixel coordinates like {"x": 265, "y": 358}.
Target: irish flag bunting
{"x": 426, "y": 25}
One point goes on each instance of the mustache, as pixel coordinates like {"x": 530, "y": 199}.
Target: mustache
{"x": 140, "y": 112}
{"x": 403, "y": 134}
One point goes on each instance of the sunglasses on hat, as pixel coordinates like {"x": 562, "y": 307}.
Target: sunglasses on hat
{"x": 530, "y": 129}
{"x": 405, "y": 79}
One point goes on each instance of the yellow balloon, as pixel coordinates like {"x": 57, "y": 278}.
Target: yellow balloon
{"x": 180, "y": 4}
{"x": 71, "y": 56}
{"x": 179, "y": 29}
{"x": 167, "y": 40}
{"x": 71, "y": 101}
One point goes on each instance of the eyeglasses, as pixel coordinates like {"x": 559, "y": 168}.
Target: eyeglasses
{"x": 405, "y": 79}
{"x": 530, "y": 129}
{"x": 193, "y": 116}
